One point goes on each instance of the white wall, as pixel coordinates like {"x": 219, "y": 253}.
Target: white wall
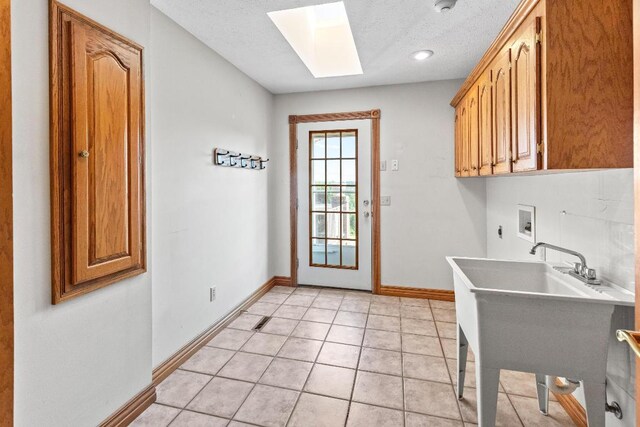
{"x": 432, "y": 214}
{"x": 591, "y": 212}
{"x": 77, "y": 362}
{"x": 210, "y": 223}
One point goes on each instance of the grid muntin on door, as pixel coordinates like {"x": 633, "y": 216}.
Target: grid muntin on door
{"x": 333, "y": 227}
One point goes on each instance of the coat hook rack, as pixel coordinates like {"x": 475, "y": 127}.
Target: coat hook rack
{"x": 232, "y": 159}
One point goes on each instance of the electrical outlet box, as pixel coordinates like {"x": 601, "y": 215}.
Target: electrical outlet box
{"x": 395, "y": 165}
{"x": 212, "y": 294}
{"x": 385, "y": 200}
{"x": 383, "y": 165}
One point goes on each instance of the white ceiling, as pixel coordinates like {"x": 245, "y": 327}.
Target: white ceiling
{"x": 386, "y": 32}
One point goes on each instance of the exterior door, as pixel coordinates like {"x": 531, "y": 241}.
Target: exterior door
{"x": 334, "y": 204}
{"x": 501, "y": 71}
{"x": 525, "y": 91}
{"x": 485, "y": 127}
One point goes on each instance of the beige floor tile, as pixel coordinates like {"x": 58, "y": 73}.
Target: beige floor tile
{"x": 245, "y": 367}
{"x": 420, "y": 344}
{"x": 384, "y": 309}
{"x": 239, "y": 424}
{"x": 283, "y": 289}
{"x": 361, "y": 415}
{"x": 470, "y": 373}
{"x": 267, "y": 344}
{"x": 383, "y": 323}
{"x": 447, "y": 330}
{"x": 279, "y": 326}
{"x": 208, "y": 360}
{"x": 231, "y": 339}
{"x": 290, "y": 312}
{"x": 327, "y": 303}
{"x": 420, "y": 420}
{"x": 330, "y": 381}
{"x": 412, "y": 312}
{"x": 451, "y": 350}
{"x": 221, "y": 397}
{"x": 319, "y": 315}
{"x": 319, "y": 411}
{"x": 520, "y": 383}
{"x": 333, "y": 293}
{"x": 339, "y": 355}
{"x": 380, "y": 361}
{"x": 445, "y": 305}
{"x": 415, "y": 302}
{"x": 527, "y": 409}
{"x": 195, "y": 419}
{"x": 263, "y": 308}
{"x": 267, "y": 406}
{"x": 180, "y": 387}
{"x": 430, "y": 398}
{"x": 347, "y": 318}
{"x": 384, "y": 340}
{"x": 345, "y": 335}
{"x": 287, "y": 373}
{"x": 505, "y": 417}
{"x": 357, "y": 306}
{"x": 419, "y": 327}
{"x": 311, "y": 330}
{"x": 385, "y": 299}
{"x": 245, "y": 321}
{"x": 307, "y": 291}
{"x": 428, "y": 368}
{"x": 155, "y": 416}
{"x": 378, "y": 389}
{"x": 300, "y": 349}
{"x": 444, "y": 315}
{"x": 358, "y": 296}
{"x": 274, "y": 297}
{"x": 300, "y": 300}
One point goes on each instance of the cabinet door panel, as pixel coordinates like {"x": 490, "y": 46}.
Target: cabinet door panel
{"x": 97, "y": 156}
{"x": 458, "y": 142}
{"x": 464, "y": 130}
{"x": 473, "y": 132}
{"x": 502, "y": 113}
{"x": 525, "y": 98}
{"x": 485, "y": 124}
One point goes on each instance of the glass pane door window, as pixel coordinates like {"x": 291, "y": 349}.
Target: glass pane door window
{"x": 333, "y": 196}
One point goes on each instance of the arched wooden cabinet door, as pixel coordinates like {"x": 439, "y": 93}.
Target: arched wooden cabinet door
{"x": 525, "y": 77}
{"x": 501, "y": 71}
{"x": 97, "y": 156}
{"x": 485, "y": 127}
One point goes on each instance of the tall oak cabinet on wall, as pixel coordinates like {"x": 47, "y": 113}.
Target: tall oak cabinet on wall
{"x": 553, "y": 92}
{"x": 97, "y": 155}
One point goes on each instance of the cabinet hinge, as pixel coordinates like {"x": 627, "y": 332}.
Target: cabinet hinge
{"x": 539, "y": 37}
{"x": 540, "y": 148}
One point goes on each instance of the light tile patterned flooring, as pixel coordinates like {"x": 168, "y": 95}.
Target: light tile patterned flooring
{"x": 333, "y": 358}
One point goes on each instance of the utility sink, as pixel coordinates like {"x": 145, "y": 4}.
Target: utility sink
{"x": 532, "y": 317}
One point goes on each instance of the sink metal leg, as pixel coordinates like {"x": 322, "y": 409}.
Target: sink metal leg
{"x": 487, "y": 380}
{"x": 595, "y": 399}
{"x": 543, "y": 393}
{"x": 463, "y": 350}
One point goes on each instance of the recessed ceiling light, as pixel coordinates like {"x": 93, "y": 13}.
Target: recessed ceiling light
{"x": 421, "y": 55}
{"x": 322, "y": 38}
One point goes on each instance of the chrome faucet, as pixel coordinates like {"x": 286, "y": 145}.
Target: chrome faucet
{"x": 580, "y": 270}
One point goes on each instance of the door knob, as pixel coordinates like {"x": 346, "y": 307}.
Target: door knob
{"x": 366, "y": 214}
{"x": 632, "y": 338}
{"x": 84, "y": 154}
{"x": 366, "y": 203}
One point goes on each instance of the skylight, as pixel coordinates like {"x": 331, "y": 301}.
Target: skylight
{"x": 322, "y": 38}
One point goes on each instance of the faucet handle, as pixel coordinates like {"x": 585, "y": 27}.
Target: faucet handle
{"x": 577, "y": 267}
{"x": 591, "y": 274}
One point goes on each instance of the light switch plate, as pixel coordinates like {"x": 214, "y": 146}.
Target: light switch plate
{"x": 385, "y": 200}
{"x": 394, "y": 165}
{"x": 383, "y": 165}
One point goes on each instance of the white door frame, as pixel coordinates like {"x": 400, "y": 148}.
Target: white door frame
{"x": 374, "y": 116}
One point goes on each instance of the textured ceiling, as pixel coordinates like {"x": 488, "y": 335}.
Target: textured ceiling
{"x": 385, "y": 32}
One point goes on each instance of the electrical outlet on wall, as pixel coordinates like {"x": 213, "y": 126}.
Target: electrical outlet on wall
{"x": 212, "y": 294}
{"x": 385, "y": 200}
{"x": 395, "y": 165}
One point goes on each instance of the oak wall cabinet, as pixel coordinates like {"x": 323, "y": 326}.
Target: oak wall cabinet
{"x": 553, "y": 92}
{"x": 97, "y": 156}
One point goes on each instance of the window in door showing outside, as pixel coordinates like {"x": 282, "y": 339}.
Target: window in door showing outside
{"x": 333, "y": 196}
